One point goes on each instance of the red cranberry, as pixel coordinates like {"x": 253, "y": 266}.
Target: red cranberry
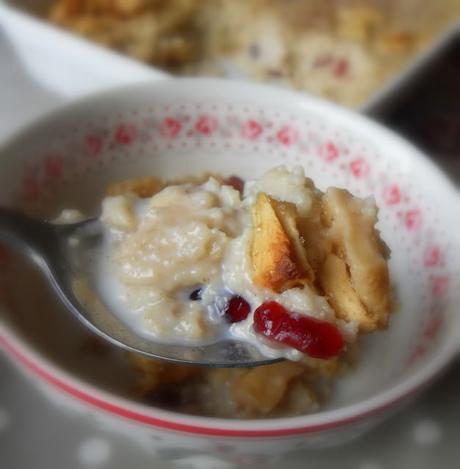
{"x": 341, "y": 68}
{"x": 237, "y": 309}
{"x": 236, "y": 182}
{"x": 316, "y": 338}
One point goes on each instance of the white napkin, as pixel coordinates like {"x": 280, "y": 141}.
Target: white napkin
{"x": 42, "y": 66}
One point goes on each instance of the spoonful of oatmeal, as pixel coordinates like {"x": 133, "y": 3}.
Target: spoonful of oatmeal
{"x": 217, "y": 272}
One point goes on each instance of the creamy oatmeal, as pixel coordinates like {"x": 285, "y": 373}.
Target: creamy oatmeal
{"x": 202, "y": 257}
{"x": 295, "y": 271}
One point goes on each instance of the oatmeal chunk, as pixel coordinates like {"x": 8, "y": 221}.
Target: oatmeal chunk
{"x": 261, "y": 389}
{"x": 154, "y": 373}
{"x": 118, "y": 212}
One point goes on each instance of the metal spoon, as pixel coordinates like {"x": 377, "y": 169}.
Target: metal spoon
{"x": 64, "y": 253}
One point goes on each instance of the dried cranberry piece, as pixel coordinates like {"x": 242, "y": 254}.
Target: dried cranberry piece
{"x": 316, "y": 338}
{"x": 341, "y": 68}
{"x": 237, "y": 309}
{"x": 236, "y": 182}
{"x": 196, "y": 294}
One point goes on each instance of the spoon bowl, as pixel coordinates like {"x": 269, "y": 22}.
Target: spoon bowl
{"x": 66, "y": 252}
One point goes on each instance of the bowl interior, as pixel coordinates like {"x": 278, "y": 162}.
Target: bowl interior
{"x": 185, "y": 128}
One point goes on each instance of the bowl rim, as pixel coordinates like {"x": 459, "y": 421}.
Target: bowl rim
{"x": 41, "y": 367}
{"x": 38, "y": 366}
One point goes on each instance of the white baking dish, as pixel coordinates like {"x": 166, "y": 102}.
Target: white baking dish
{"x": 41, "y": 44}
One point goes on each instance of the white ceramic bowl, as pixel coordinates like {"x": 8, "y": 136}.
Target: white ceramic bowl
{"x": 179, "y": 127}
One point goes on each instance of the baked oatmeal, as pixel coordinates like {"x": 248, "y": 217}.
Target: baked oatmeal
{"x": 282, "y": 265}
{"x": 298, "y": 272}
{"x": 341, "y": 50}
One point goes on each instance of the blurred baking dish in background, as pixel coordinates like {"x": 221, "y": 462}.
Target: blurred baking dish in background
{"x": 341, "y": 50}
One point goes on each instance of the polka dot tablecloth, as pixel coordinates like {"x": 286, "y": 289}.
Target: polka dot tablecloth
{"x": 34, "y": 434}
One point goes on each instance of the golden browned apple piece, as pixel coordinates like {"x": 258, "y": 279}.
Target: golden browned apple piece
{"x": 278, "y": 256}
{"x": 356, "y": 279}
{"x": 336, "y": 283}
